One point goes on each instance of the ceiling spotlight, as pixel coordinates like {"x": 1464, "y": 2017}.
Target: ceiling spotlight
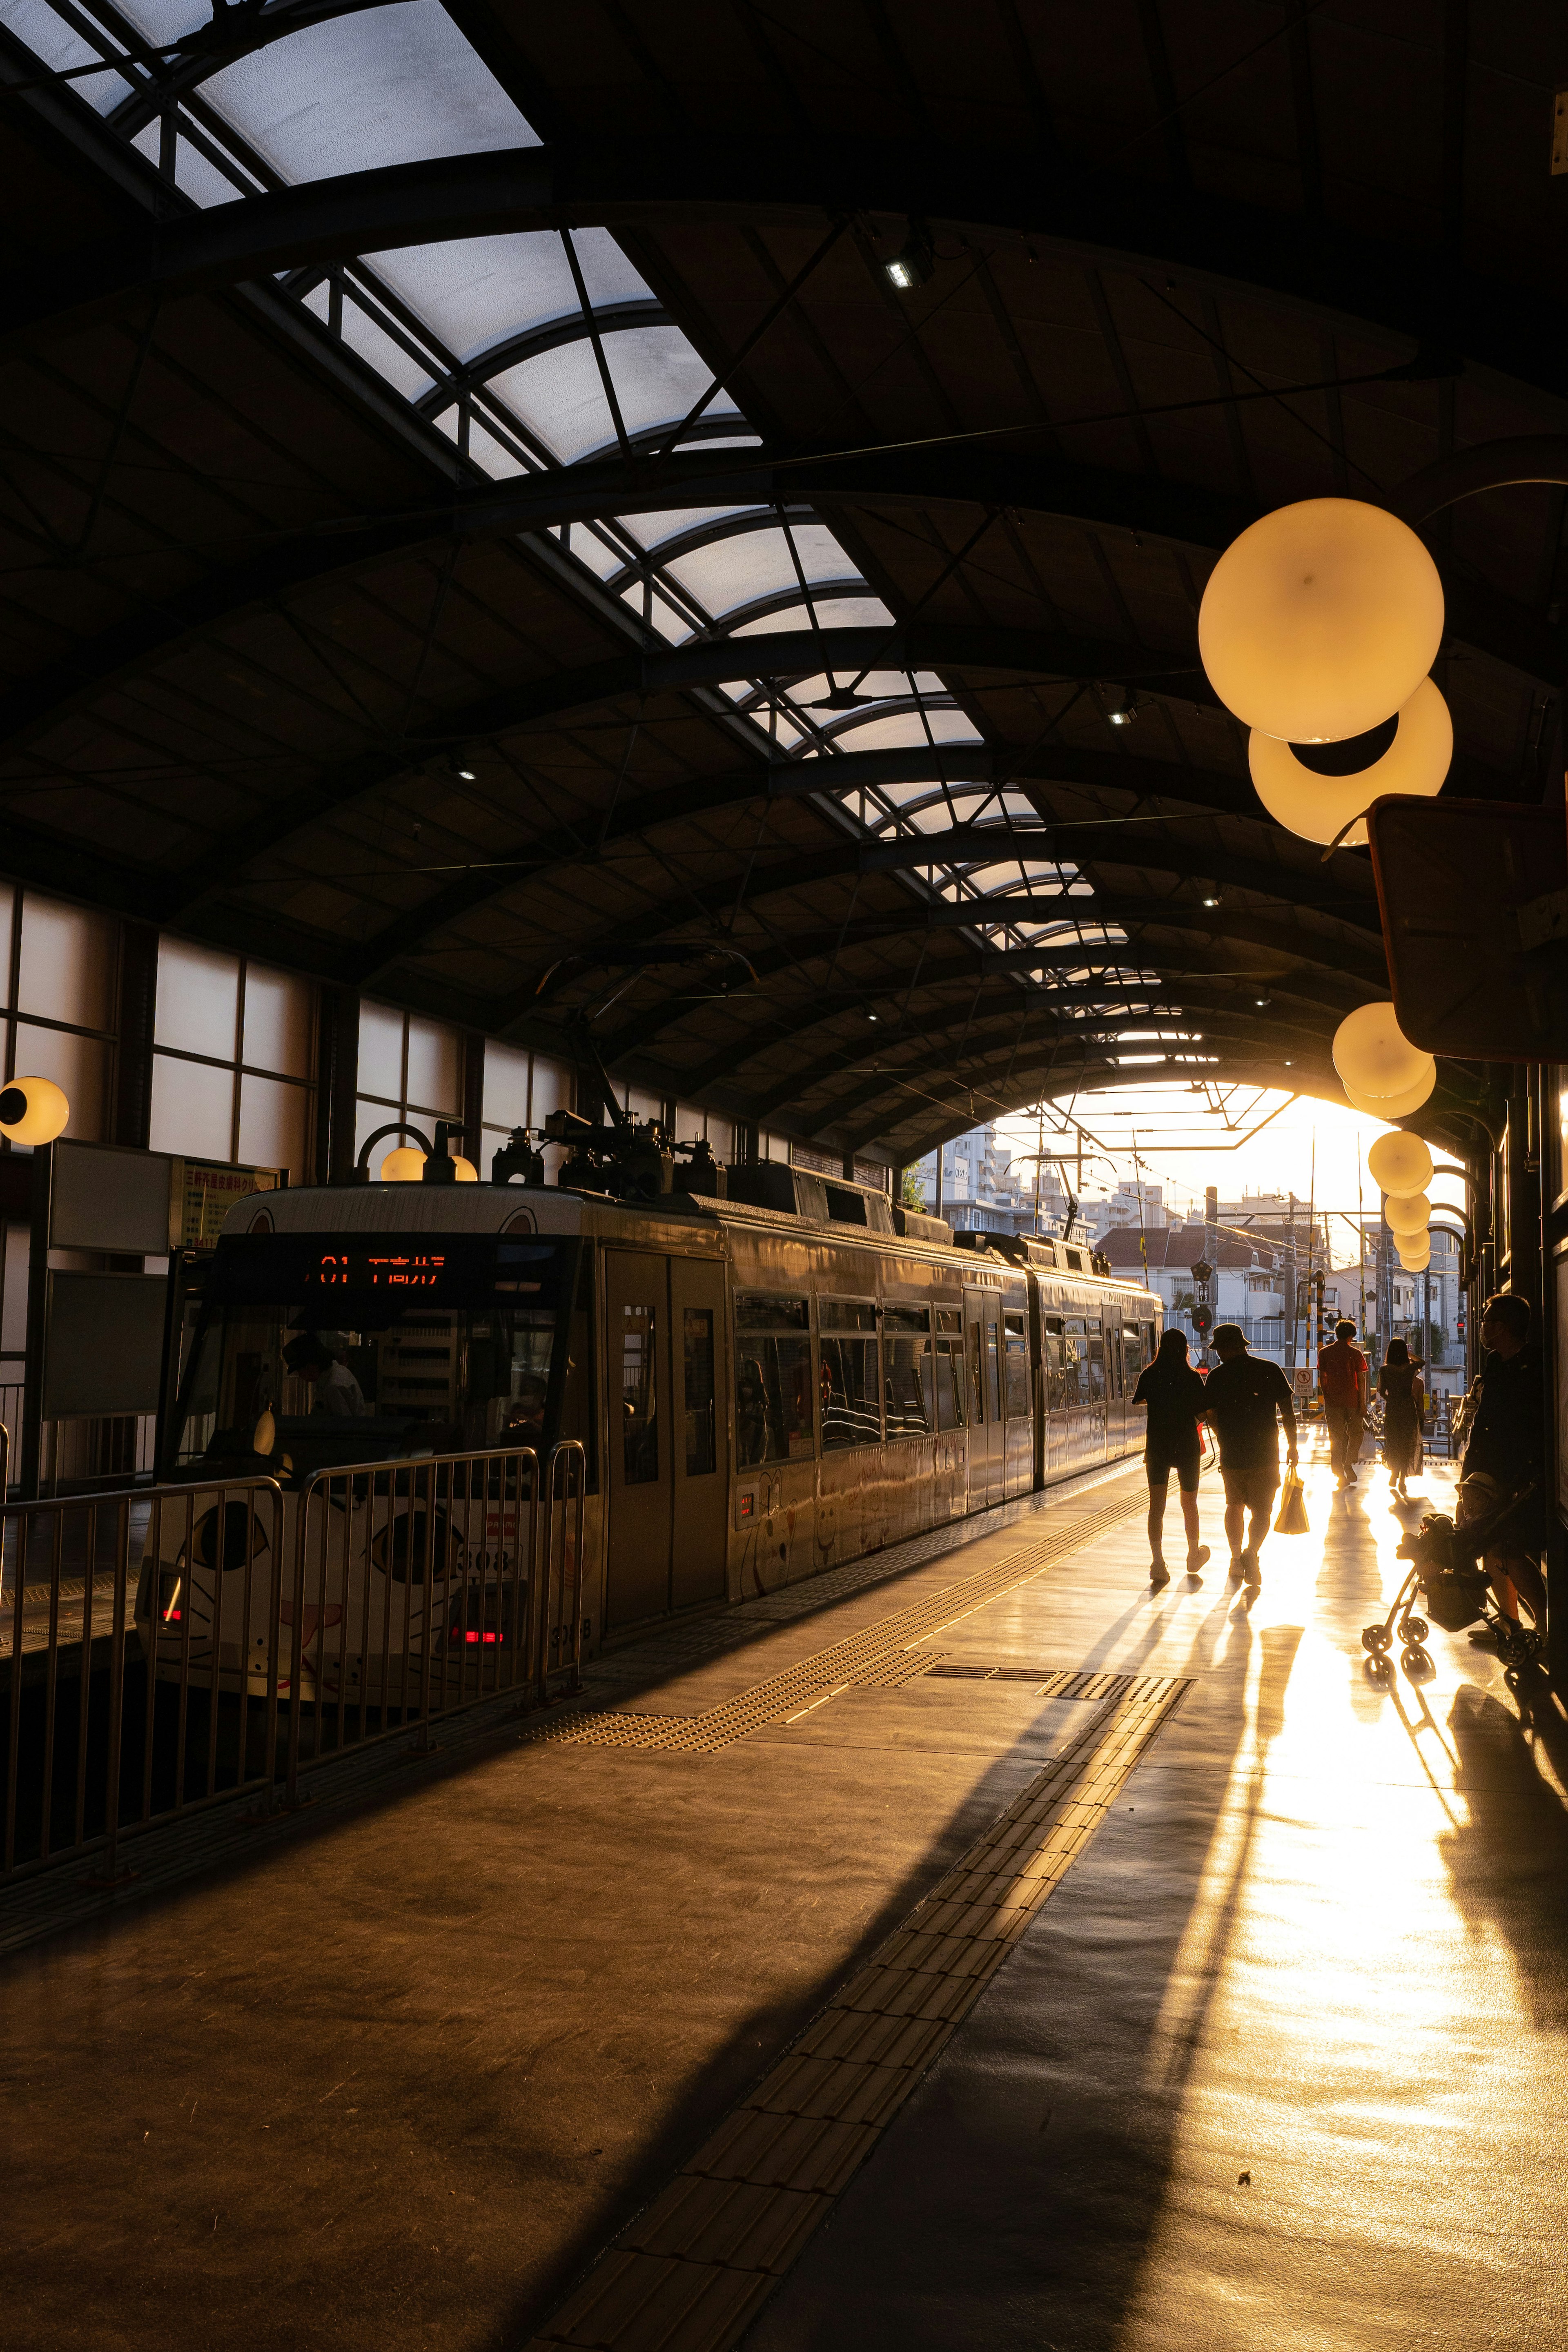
{"x": 1125, "y": 711}
{"x": 1211, "y": 895}
{"x": 916, "y": 263}
{"x": 464, "y": 775}
{"x": 870, "y": 1016}
{"x": 1263, "y": 1000}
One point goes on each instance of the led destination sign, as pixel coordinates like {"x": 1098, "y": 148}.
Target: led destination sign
{"x": 361, "y": 1270}
{"x": 384, "y": 1272}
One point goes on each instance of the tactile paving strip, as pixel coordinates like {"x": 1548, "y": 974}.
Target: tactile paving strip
{"x": 693, "y": 2270}
{"x": 877, "y": 1657}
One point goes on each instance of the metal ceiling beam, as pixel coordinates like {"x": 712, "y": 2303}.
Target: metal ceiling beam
{"x": 1337, "y": 272}
{"x": 1179, "y": 982}
{"x": 1322, "y": 888}
{"x": 789, "y": 653}
{"x": 605, "y": 489}
{"x": 1099, "y": 1077}
{"x": 1010, "y": 1015}
{"x": 951, "y": 969}
{"x": 1000, "y": 1040}
{"x": 533, "y": 860}
{"x": 1023, "y": 480}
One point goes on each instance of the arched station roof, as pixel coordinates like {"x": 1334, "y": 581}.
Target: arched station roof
{"x": 482, "y": 526}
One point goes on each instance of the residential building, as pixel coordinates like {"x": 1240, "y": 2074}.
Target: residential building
{"x": 985, "y": 1190}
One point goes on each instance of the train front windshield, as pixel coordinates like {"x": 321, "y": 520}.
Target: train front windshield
{"x": 366, "y": 1349}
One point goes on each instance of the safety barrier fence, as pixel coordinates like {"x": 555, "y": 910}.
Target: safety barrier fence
{"x": 165, "y": 1649}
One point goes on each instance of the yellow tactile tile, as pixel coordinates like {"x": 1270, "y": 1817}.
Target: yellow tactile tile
{"x": 802, "y": 2152}
{"x": 689, "y": 2274}
{"x": 739, "y": 2223}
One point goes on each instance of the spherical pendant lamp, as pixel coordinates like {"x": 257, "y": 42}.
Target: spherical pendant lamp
{"x": 1372, "y": 1053}
{"x": 1320, "y": 620}
{"x": 33, "y": 1110}
{"x": 1395, "y": 1106}
{"x": 1400, "y": 1164}
{"x": 1320, "y": 807}
{"x": 466, "y": 1173}
{"x": 1407, "y": 1213}
{"x": 403, "y": 1165}
{"x": 1416, "y": 1261}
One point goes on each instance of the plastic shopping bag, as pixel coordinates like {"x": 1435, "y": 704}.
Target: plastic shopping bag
{"x": 1293, "y": 1519}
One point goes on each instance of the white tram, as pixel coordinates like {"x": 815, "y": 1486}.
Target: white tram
{"x": 762, "y": 1386}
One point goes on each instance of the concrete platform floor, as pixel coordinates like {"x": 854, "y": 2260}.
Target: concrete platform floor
{"x": 397, "y": 2081}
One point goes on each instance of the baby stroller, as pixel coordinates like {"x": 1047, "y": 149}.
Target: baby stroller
{"x": 1444, "y": 1556}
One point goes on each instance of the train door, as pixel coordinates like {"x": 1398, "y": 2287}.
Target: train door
{"x": 700, "y": 1468}
{"x": 643, "y": 1419}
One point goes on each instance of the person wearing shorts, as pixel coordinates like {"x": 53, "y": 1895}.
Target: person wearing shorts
{"x": 1242, "y": 1400}
{"x": 1174, "y": 1397}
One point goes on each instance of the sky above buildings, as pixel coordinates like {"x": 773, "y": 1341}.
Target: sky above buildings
{"x": 1259, "y": 1141}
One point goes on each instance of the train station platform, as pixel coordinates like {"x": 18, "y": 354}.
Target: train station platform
{"x": 971, "y": 1947}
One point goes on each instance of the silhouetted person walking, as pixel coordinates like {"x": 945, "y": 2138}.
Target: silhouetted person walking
{"x": 1244, "y": 1399}
{"x": 1175, "y": 1396}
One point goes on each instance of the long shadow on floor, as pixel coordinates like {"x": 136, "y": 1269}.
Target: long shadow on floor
{"x": 1014, "y": 2203}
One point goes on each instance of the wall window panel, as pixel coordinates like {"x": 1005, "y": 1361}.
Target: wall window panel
{"x": 233, "y": 1060}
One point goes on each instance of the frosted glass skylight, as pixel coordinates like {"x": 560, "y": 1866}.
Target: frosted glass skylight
{"x": 394, "y": 85}
{"x": 478, "y": 292}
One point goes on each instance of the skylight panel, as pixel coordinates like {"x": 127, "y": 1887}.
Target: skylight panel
{"x": 660, "y": 378}
{"x": 904, "y": 729}
{"x": 478, "y": 292}
{"x": 738, "y": 570}
{"x": 649, "y": 530}
{"x": 560, "y": 398}
{"x": 395, "y": 85}
{"x": 832, "y": 613}
{"x": 49, "y": 37}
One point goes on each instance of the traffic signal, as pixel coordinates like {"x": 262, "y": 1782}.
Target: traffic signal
{"x": 1203, "y": 1317}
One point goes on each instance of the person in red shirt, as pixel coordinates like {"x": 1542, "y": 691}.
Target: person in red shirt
{"x": 1343, "y": 1378}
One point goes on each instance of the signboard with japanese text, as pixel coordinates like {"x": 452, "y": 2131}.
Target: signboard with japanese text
{"x": 202, "y": 1194}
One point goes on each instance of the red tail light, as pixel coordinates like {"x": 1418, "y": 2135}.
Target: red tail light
{"x": 473, "y": 1635}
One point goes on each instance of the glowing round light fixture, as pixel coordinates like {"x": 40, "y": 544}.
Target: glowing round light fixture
{"x": 1395, "y": 1106}
{"x": 466, "y": 1173}
{"x": 33, "y": 1110}
{"x": 1416, "y": 1260}
{"x": 1408, "y": 1212}
{"x": 403, "y": 1165}
{"x": 1400, "y": 1164}
{"x": 1372, "y": 1053}
{"x": 1320, "y": 807}
{"x": 1321, "y": 621}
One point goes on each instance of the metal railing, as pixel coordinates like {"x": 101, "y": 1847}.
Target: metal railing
{"x": 167, "y": 1648}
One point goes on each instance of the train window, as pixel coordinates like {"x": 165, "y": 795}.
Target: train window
{"x": 772, "y": 1399}
{"x": 976, "y": 1376}
{"x": 759, "y": 1310}
{"x": 640, "y": 1396}
{"x": 992, "y": 1369}
{"x": 845, "y": 1315}
{"x": 952, "y": 1399}
{"x": 1017, "y": 1345}
{"x": 907, "y": 1337}
{"x": 851, "y": 1393}
{"x": 1097, "y": 1371}
{"x": 701, "y": 1453}
{"x": 1070, "y": 1384}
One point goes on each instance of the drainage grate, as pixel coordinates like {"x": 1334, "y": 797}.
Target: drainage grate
{"x": 875, "y": 1657}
